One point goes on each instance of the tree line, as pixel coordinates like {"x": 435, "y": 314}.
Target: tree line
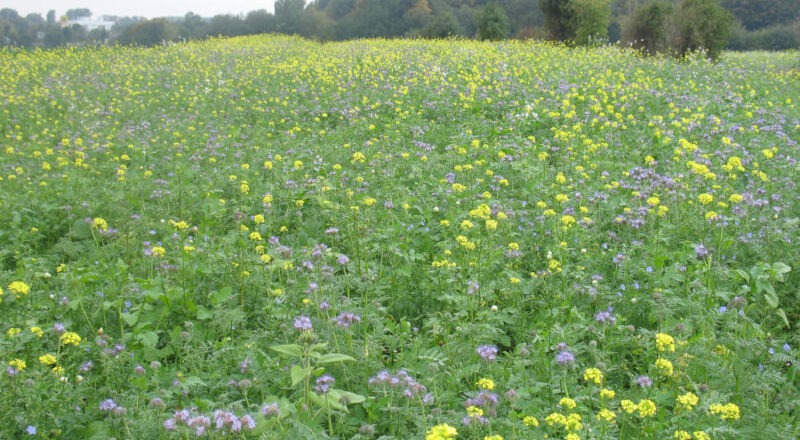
{"x": 651, "y": 25}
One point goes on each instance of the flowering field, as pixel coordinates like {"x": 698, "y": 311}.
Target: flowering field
{"x": 273, "y": 238}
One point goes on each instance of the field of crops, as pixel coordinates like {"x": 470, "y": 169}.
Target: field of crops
{"x": 273, "y": 238}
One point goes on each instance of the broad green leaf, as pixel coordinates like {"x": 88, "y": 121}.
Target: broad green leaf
{"x": 130, "y": 318}
{"x": 147, "y": 338}
{"x": 334, "y": 357}
{"x": 298, "y": 373}
{"x": 293, "y": 350}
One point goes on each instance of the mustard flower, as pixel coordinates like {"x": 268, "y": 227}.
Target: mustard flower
{"x": 665, "y": 342}
{"x": 19, "y": 364}
{"x": 100, "y": 224}
{"x": 441, "y": 432}
{"x": 567, "y": 403}
{"x": 705, "y": 198}
{"x": 486, "y": 384}
{"x": 157, "y": 251}
{"x": 687, "y": 401}
{"x": 664, "y": 367}
{"x": 606, "y": 393}
{"x": 728, "y": 411}
{"x": 493, "y": 437}
{"x": 19, "y": 288}
{"x": 491, "y": 225}
{"x": 70, "y": 338}
{"x": 572, "y": 436}
{"x": 37, "y": 331}
{"x": 593, "y": 375}
{"x": 628, "y": 406}
{"x": 701, "y": 435}
{"x": 47, "y": 359}
{"x": 646, "y": 408}
{"x": 556, "y": 419}
{"x": 573, "y": 422}
{"x": 13, "y": 331}
{"x": 530, "y": 421}
{"x": 682, "y": 435}
{"x": 605, "y": 415}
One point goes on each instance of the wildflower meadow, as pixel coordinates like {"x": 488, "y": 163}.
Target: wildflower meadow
{"x": 273, "y": 238}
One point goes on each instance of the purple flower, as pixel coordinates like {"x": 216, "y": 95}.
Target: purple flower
{"x": 156, "y": 402}
{"x": 139, "y": 370}
{"x": 271, "y": 410}
{"x": 487, "y": 352}
{"x": 564, "y": 357}
{"x": 248, "y": 422}
{"x": 324, "y": 384}
{"x": 605, "y": 317}
{"x": 700, "y": 252}
{"x": 169, "y": 425}
{"x": 644, "y": 381}
{"x": 108, "y": 405}
{"x": 346, "y": 319}
{"x": 244, "y": 365}
{"x": 30, "y": 430}
{"x": 342, "y": 259}
{"x": 303, "y": 323}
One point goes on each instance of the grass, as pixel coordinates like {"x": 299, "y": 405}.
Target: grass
{"x": 267, "y": 237}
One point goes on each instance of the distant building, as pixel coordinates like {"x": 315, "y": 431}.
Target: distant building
{"x": 90, "y": 24}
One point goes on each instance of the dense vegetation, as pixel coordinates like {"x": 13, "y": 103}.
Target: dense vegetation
{"x": 760, "y": 24}
{"x": 267, "y": 237}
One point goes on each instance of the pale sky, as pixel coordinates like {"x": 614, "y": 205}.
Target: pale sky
{"x": 140, "y": 8}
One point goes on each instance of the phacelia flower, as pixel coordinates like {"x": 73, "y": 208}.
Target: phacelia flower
{"x": 303, "y": 323}
{"x": 487, "y": 352}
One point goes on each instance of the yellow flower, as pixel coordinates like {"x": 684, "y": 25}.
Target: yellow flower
{"x": 486, "y": 384}
{"x": 266, "y": 258}
{"x": 572, "y": 436}
{"x": 593, "y": 375}
{"x": 646, "y": 408}
{"x": 687, "y": 401}
{"x": 441, "y": 432}
{"x": 682, "y": 435}
{"x": 605, "y": 393}
{"x": 474, "y": 411}
{"x": 628, "y": 406}
{"x": 573, "y": 422}
{"x": 47, "y": 359}
{"x": 493, "y": 437}
{"x": 711, "y": 215}
{"x": 728, "y": 411}
{"x": 70, "y": 338}
{"x": 653, "y": 201}
{"x": 19, "y": 288}
{"x": 13, "y": 331}
{"x": 491, "y": 225}
{"x": 556, "y": 419}
{"x": 705, "y": 198}
{"x": 567, "y": 403}
{"x": 37, "y": 331}
{"x": 735, "y": 198}
{"x": 267, "y": 199}
{"x": 19, "y": 364}
{"x": 466, "y": 225}
{"x": 530, "y": 421}
{"x": 606, "y": 414}
{"x": 258, "y": 219}
{"x": 665, "y": 342}
{"x": 568, "y": 220}
{"x": 255, "y": 236}
{"x": 459, "y": 188}
{"x": 664, "y": 367}
{"x": 701, "y": 435}
{"x": 158, "y": 251}
{"x": 100, "y": 224}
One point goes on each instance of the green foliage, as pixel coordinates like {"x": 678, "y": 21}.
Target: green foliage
{"x": 492, "y": 22}
{"x": 593, "y": 18}
{"x": 759, "y": 14}
{"x": 646, "y": 28}
{"x": 699, "y": 24}
{"x": 777, "y": 37}
{"x": 559, "y": 19}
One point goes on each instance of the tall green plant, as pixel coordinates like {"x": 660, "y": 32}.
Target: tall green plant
{"x": 699, "y": 24}
{"x": 645, "y": 29}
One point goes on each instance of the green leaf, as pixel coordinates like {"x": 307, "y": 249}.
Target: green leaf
{"x": 334, "y": 357}
{"x": 147, "y": 338}
{"x": 330, "y": 400}
{"x": 298, "y": 373}
{"x": 96, "y": 431}
{"x": 204, "y": 314}
{"x": 771, "y": 297}
{"x": 293, "y": 350}
{"x": 745, "y": 276}
{"x": 130, "y": 318}
{"x": 81, "y": 230}
{"x": 347, "y": 397}
{"x": 782, "y": 314}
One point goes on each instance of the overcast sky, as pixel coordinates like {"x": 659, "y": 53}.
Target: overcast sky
{"x": 140, "y": 8}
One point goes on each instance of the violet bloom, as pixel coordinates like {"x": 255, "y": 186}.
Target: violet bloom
{"x": 324, "y": 383}
{"x": 271, "y": 410}
{"x": 605, "y": 317}
{"x": 644, "y": 381}
{"x": 342, "y": 259}
{"x": 487, "y": 352}
{"x": 107, "y": 405}
{"x": 303, "y": 323}
{"x": 564, "y": 357}
{"x": 700, "y": 252}
{"x": 346, "y": 319}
